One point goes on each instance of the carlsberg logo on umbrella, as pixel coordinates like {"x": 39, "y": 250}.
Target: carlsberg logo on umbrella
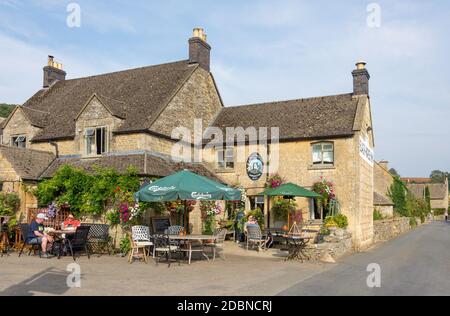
{"x": 201, "y": 196}
{"x": 156, "y": 188}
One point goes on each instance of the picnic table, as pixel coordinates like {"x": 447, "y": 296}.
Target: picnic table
{"x": 189, "y": 240}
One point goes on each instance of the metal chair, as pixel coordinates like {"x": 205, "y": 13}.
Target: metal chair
{"x": 24, "y": 229}
{"x": 99, "y": 237}
{"x": 218, "y": 243}
{"x": 140, "y": 239}
{"x": 255, "y": 237}
{"x": 164, "y": 246}
{"x": 79, "y": 241}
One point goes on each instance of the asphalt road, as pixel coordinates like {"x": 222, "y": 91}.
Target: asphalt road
{"x": 414, "y": 264}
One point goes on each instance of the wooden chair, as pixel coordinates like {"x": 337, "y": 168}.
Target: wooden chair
{"x": 140, "y": 240}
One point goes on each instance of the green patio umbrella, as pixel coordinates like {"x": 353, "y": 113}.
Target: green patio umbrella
{"x": 186, "y": 186}
{"x": 289, "y": 191}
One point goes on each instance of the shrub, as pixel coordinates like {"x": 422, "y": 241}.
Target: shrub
{"x": 398, "y": 193}
{"x": 281, "y": 208}
{"x": 439, "y": 211}
{"x": 85, "y": 192}
{"x": 413, "y": 222}
{"x": 125, "y": 245}
{"x": 377, "y": 216}
{"x": 341, "y": 221}
{"x": 329, "y": 222}
{"x": 9, "y": 203}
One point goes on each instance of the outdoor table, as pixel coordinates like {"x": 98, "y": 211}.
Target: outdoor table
{"x": 60, "y": 238}
{"x": 188, "y": 240}
{"x": 296, "y": 247}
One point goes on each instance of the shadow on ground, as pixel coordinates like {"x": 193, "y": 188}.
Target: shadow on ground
{"x": 49, "y": 282}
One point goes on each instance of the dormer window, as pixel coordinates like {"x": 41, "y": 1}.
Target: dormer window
{"x": 19, "y": 141}
{"x": 96, "y": 141}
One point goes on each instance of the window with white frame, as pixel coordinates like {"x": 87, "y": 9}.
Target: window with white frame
{"x": 19, "y": 141}
{"x": 96, "y": 140}
{"x": 323, "y": 153}
{"x": 225, "y": 158}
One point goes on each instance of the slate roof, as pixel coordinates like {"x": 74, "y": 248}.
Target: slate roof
{"x": 381, "y": 200}
{"x": 29, "y": 164}
{"x": 437, "y": 190}
{"x": 136, "y": 95}
{"x": 323, "y": 117}
{"x": 147, "y": 164}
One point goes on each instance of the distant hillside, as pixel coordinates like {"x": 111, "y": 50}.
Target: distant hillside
{"x": 6, "y": 109}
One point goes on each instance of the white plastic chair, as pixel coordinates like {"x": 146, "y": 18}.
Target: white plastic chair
{"x": 140, "y": 239}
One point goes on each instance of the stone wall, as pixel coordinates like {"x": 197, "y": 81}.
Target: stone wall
{"x": 197, "y": 99}
{"x": 19, "y": 125}
{"x": 387, "y": 211}
{"x": 12, "y": 183}
{"x": 130, "y": 142}
{"x": 388, "y": 229}
{"x": 382, "y": 181}
{"x": 361, "y": 221}
{"x": 65, "y": 147}
{"x": 332, "y": 247}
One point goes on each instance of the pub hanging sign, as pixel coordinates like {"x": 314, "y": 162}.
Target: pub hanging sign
{"x": 366, "y": 152}
{"x": 255, "y": 167}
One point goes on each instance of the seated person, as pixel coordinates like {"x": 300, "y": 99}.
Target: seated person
{"x": 251, "y": 221}
{"x": 71, "y": 222}
{"x": 37, "y": 236}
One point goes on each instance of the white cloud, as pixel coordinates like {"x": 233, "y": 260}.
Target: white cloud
{"x": 22, "y": 65}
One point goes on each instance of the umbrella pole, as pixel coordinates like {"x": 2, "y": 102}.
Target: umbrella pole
{"x": 185, "y": 219}
{"x": 289, "y": 215}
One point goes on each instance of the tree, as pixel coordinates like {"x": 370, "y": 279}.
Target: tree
{"x": 438, "y": 176}
{"x": 398, "y": 192}
{"x": 394, "y": 172}
{"x": 428, "y": 198}
{"x": 6, "y": 109}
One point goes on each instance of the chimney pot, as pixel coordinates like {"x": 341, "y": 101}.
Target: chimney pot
{"x": 53, "y": 72}
{"x": 361, "y": 65}
{"x": 199, "y": 49}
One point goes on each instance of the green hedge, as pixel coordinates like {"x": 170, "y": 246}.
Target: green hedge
{"x": 438, "y": 211}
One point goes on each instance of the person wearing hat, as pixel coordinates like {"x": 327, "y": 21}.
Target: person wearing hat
{"x": 37, "y": 236}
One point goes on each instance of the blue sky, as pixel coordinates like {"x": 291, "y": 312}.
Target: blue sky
{"x": 262, "y": 51}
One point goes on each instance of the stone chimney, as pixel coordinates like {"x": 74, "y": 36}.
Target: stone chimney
{"x": 199, "y": 50}
{"x": 361, "y": 79}
{"x": 53, "y": 72}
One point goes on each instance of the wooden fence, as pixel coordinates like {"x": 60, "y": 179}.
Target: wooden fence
{"x": 51, "y": 222}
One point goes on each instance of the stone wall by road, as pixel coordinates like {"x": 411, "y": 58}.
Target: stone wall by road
{"x": 385, "y": 230}
{"x": 332, "y": 247}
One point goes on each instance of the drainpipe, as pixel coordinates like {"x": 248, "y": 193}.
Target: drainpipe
{"x": 56, "y": 148}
